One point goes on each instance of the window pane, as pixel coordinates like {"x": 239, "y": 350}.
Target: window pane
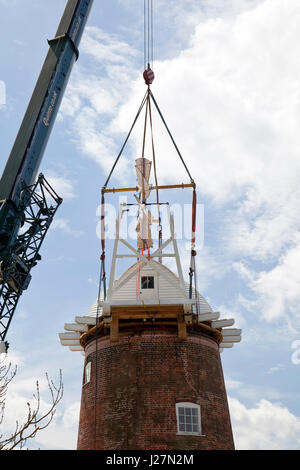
{"x": 188, "y": 418}
{"x": 87, "y": 377}
{"x": 147, "y": 282}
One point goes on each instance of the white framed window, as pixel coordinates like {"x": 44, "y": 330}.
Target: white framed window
{"x": 188, "y": 418}
{"x": 147, "y": 282}
{"x": 87, "y": 372}
{"x": 147, "y": 285}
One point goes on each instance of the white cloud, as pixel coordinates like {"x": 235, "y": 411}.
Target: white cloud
{"x": 277, "y": 292}
{"x": 64, "y": 226}
{"x": 93, "y": 99}
{"x": 232, "y": 384}
{"x": 266, "y": 426}
{"x": 63, "y": 186}
{"x": 106, "y": 48}
{"x": 63, "y": 431}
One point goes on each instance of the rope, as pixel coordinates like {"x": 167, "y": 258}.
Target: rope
{"x": 102, "y": 280}
{"x": 152, "y": 41}
{"x": 194, "y": 209}
{"x": 174, "y": 143}
{"x": 96, "y": 360}
{"x": 126, "y": 140}
{"x": 102, "y": 257}
{"x": 156, "y": 181}
{"x": 145, "y": 35}
{"x": 192, "y": 272}
{"x": 148, "y": 33}
{"x": 143, "y": 151}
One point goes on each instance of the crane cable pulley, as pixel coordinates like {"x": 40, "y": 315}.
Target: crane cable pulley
{"x": 148, "y": 42}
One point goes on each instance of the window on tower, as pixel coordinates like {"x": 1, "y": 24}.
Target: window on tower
{"x": 188, "y": 418}
{"x": 147, "y": 282}
{"x": 87, "y": 372}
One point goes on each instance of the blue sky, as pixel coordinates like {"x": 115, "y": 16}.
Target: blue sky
{"x": 227, "y": 82}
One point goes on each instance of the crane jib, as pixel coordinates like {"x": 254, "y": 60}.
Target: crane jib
{"x": 22, "y": 194}
{"x": 29, "y": 146}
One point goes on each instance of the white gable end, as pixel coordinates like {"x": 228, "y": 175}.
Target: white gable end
{"x": 166, "y": 285}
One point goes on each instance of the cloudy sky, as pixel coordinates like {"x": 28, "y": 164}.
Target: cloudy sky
{"x": 227, "y": 82}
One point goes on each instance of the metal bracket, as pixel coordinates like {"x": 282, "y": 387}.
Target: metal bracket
{"x": 65, "y": 36}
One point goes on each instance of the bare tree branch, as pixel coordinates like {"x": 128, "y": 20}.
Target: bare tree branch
{"x": 36, "y": 420}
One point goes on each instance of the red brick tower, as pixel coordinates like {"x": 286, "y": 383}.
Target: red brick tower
{"x": 152, "y": 390}
{"x": 153, "y": 376}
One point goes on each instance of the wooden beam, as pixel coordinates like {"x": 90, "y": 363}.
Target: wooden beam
{"x": 222, "y": 323}
{"x": 76, "y": 327}
{"x": 147, "y": 311}
{"x": 182, "y": 332}
{"x": 114, "y": 328}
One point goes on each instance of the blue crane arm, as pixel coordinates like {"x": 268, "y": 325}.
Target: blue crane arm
{"x": 27, "y": 152}
{"x": 22, "y": 194}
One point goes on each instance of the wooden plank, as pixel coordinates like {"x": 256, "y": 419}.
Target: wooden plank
{"x": 159, "y": 311}
{"x": 114, "y": 328}
{"x": 231, "y": 339}
{"x": 147, "y": 325}
{"x": 147, "y": 315}
{"x": 69, "y": 335}
{"x": 182, "y": 332}
{"x": 208, "y": 316}
{"x": 232, "y": 332}
{"x": 70, "y": 342}
{"x": 75, "y": 327}
{"x": 222, "y": 323}
{"x": 76, "y": 348}
{"x": 86, "y": 320}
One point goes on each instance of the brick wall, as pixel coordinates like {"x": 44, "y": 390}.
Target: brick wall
{"x": 130, "y": 402}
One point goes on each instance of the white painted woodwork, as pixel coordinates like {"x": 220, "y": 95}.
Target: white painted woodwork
{"x": 70, "y": 335}
{"x": 222, "y": 323}
{"x": 76, "y": 348}
{"x": 231, "y": 332}
{"x": 231, "y": 339}
{"x": 70, "y": 342}
{"x": 75, "y": 327}
{"x": 208, "y": 316}
{"x": 87, "y": 320}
